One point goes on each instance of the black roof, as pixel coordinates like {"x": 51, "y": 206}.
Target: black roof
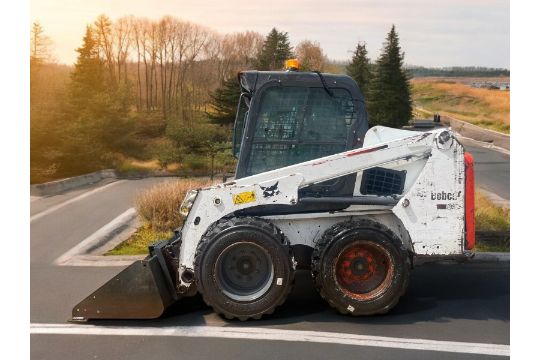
{"x": 252, "y": 80}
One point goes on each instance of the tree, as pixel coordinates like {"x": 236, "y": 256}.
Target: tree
{"x": 87, "y": 78}
{"x": 201, "y": 139}
{"x": 224, "y": 102}
{"x": 103, "y": 34}
{"x": 96, "y": 119}
{"x": 39, "y": 45}
{"x": 359, "y": 68}
{"x": 389, "y": 101}
{"x": 166, "y": 153}
{"x": 275, "y": 50}
{"x": 311, "y": 56}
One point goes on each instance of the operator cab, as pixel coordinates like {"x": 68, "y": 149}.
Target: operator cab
{"x": 288, "y": 117}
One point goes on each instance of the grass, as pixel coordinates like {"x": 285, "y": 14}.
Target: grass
{"x": 486, "y": 246}
{"x": 488, "y": 216}
{"x": 492, "y": 225}
{"x": 129, "y": 168}
{"x": 486, "y": 108}
{"x": 191, "y": 165}
{"x": 138, "y": 243}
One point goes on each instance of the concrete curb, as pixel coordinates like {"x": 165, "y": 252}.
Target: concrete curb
{"x": 59, "y": 186}
{"x": 468, "y": 141}
{"x": 494, "y": 198}
{"x": 491, "y": 257}
{"x": 89, "y": 252}
{"x": 468, "y": 130}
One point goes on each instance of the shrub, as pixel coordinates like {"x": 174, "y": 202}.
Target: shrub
{"x": 159, "y": 205}
{"x": 166, "y": 153}
{"x": 195, "y": 162}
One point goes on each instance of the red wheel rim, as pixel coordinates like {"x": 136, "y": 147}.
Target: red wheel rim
{"x": 364, "y": 269}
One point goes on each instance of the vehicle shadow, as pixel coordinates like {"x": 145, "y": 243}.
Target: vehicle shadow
{"x": 437, "y": 293}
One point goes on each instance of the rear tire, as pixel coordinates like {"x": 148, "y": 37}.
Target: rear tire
{"x": 360, "y": 267}
{"x": 244, "y": 267}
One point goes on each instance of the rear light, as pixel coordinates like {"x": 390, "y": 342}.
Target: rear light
{"x": 469, "y": 202}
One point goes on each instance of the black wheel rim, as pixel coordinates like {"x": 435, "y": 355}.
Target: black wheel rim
{"x": 244, "y": 271}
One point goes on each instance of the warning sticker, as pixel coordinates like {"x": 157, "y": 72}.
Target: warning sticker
{"x": 244, "y": 197}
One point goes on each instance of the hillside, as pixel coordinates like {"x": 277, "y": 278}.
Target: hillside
{"x": 455, "y": 97}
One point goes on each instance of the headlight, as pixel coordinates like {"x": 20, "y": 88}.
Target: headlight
{"x": 188, "y": 202}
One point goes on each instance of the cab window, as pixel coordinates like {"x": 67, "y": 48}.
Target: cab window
{"x": 297, "y": 124}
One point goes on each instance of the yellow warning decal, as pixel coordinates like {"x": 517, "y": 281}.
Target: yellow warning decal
{"x": 244, "y": 197}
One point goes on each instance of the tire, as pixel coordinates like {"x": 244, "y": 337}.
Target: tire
{"x": 360, "y": 267}
{"x": 244, "y": 267}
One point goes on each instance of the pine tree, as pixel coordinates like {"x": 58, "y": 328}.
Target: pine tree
{"x": 87, "y": 78}
{"x": 359, "y": 68}
{"x": 97, "y": 127}
{"x": 389, "y": 101}
{"x": 224, "y": 102}
{"x": 275, "y": 50}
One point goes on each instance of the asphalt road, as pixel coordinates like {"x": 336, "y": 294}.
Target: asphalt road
{"x": 492, "y": 170}
{"x": 459, "y": 302}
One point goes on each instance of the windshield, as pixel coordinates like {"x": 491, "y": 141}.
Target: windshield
{"x": 297, "y": 124}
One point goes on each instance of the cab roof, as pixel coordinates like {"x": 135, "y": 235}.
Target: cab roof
{"x": 252, "y": 80}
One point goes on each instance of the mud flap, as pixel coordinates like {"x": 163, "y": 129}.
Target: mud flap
{"x": 140, "y": 291}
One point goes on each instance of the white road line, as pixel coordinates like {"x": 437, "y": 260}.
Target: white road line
{"x": 70, "y": 201}
{"x": 96, "y": 238}
{"x": 246, "y": 333}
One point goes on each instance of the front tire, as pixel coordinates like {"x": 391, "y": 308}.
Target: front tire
{"x": 244, "y": 267}
{"x": 360, "y": 267}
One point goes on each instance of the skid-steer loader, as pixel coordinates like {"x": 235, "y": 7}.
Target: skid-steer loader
{"x": 314, "y": 189}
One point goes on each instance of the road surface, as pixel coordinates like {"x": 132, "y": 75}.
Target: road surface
{"x": 466, "y": 303}
{"x": 492, "y": 170}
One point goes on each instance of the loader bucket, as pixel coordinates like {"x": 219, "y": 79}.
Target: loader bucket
{"x": 140, "y": 291}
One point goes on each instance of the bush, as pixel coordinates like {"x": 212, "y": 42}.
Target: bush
{"x": 225, "y": 162}
{"x": 159, "y": 206}
{"x": 166, "y": 153}
{"x": 195, "y": 162}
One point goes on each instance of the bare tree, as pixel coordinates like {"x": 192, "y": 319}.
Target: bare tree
{"x": 137, "y": 43}
{"x": 39, "y": 45}
{"x": 121, "y": 36}
{"x": 175, "y": 64}
{"x": 311, "y": 56}
{"x": 103, "y": 29}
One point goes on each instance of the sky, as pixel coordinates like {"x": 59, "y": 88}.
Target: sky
{"x": 435, "y": 33}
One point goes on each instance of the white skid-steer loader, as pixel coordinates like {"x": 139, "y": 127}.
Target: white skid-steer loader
{"x": 314, "y": 189}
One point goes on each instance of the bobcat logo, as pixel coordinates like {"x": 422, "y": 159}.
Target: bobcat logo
{"x": 269, "y": 191}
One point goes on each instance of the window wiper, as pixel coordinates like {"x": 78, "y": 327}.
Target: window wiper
{"x": 323, "y": 82}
